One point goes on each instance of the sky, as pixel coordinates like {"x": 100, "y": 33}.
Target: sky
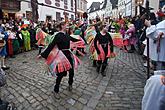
{"x": 90, "y": 2}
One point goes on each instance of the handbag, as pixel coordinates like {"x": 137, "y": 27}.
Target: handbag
{"x": 2, "y": 78}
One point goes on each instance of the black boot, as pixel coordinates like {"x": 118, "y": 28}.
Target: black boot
{"x": 94, "y": 63}
{"x": 103, "y": 70}
{"x": 98, "y": 69}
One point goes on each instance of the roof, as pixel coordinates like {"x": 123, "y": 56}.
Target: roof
{"x": 95, "y": 6}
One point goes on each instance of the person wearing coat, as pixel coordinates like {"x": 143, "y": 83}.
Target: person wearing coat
{"x": 157, "y": 43}
{"x": 154, "y": 92}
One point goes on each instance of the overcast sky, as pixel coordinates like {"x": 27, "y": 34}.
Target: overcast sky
{"x": 90, "y": 2}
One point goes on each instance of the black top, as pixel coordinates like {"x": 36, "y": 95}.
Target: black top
{"x": 62, "y": 41}
{"x": 104, "y": 40}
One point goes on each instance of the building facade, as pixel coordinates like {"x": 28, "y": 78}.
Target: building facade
{"x": 56, "y": 9}
{"x": 10, "y": 7}
{"x": 81, "y": 8}
{"x": 106, "y": 9}
{"x": 128, "y": 9}
{"x": 122, "y": 7}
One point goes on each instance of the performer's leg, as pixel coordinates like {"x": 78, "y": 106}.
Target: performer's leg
{"x": 98, "y": 66}
{"x": 94, "y": 63}
{"x": 104, "y": 67}
{"x": 71, "y": 74}
{"x": 58, "y": 80}
{"x": 40, "y": 48}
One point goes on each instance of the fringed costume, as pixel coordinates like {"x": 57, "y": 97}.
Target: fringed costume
{"x": 60, "y": 59}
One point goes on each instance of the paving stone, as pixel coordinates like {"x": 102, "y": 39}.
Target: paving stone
{"x": 25, "y": 94}
{"x": 20, "y": 99}
{"x": 124, "y": 78}
{"x": 78, "y": 106}
{"x": 83, "y": 101}
{"x": 35, "y": 104}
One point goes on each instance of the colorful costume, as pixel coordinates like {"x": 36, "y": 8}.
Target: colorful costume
{"x": 10, "y": 43}
{"x": 60, "y": 59}
{"x": 104, "y": 46}
{"x": 40, "y": 37}
{"x": 26, "y": 37}
{"x": 79, "y": 44}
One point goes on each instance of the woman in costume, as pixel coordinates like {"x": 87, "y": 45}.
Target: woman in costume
{"x": 40, "y": 37}
{"x": 125, "y": 41}
{"x": 26, "y": 37}
{"x": 132, "y": 38}
{"x": 59, "y": 57}
{"x": 103, "y": 44}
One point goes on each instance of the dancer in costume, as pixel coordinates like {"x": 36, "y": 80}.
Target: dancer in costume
{"x": 40, "y": 37}
{"x": 132, "y": 38}
{"x": 59, "y": 57}
{"x": 104, "y": 47}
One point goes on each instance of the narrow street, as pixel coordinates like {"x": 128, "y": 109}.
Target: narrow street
{"x": 30, "y": 88}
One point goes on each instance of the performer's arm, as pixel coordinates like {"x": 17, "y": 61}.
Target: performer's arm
{"x": 46, "y": 52}
{"x": 95, "y": 43}
{"x": 73, "y": 39}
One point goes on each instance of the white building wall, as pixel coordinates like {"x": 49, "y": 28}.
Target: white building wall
{"x": 25, "y": 6}
{"x": 128, "y": 7}
{"x": 108, "y": 9}
{"x": 153, "y": 4}
{"x": 48, "y": 11}
{"x": 122, "y": 7}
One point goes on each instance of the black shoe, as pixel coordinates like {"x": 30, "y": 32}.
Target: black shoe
{"x": 130, "y": 51}
{"x": 103, "y": 74}
{"x": 56, "y": 95}
{"x": 5, "y": 68}
{"x": 70, "y": 87}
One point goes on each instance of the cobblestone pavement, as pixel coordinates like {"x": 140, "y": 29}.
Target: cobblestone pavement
{"x": 30, "y": 88}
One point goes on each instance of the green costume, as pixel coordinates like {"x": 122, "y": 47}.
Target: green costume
{"x": 26, "y": 37}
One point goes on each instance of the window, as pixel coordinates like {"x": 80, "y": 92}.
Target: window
{"x": 81, "y": 5}
{"x": 72, "y": 17}
{"x": 48, "y": 2}
{"x": 65, "y": 2}
{"x": 29, "y": 5}
{"x": 58, "y": 16}
{"x": 78, "y": 5}
{"x": 48, "y": 18}
{"x": 71, "y": 3}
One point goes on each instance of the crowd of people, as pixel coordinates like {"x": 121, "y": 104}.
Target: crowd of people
{"x": 61, "y": 41}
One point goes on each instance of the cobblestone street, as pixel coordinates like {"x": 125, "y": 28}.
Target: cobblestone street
{"x": 30, "y": 88}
